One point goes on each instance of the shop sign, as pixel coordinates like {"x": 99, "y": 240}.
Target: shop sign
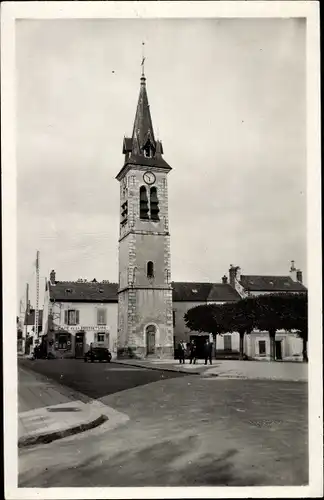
{"x": 76, "y": 328}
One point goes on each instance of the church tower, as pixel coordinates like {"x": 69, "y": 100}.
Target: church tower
{"x": 145, "y": 320}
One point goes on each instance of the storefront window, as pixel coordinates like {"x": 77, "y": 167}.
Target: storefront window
{"x": 63, "y": 341}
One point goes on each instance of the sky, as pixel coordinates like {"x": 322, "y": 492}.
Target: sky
{"x": 228, "y": 101}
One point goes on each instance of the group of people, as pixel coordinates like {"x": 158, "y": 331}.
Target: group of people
{"x": 191, "y": 349}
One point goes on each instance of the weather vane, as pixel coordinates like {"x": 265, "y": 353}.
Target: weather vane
{"x": 143, "y": 58}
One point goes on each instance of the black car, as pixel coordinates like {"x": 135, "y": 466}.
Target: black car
{"x": 97, "y": 354}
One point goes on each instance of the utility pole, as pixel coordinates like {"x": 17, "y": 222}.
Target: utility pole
{"x": 37, "y": 295}
{"x": 27, "y": 307}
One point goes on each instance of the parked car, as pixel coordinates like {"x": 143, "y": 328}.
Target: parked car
{"x": 97, "y": 354}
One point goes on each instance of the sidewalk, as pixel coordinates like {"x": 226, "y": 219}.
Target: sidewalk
{"x": 225, "y": 369}
{"x": 50, "y": 411}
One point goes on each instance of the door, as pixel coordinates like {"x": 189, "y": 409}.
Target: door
{"x": 278, "y": 349}
{"x": 227, "y": 342}
{"x": 150, "y": 340}
{"x": 79, "y": 345}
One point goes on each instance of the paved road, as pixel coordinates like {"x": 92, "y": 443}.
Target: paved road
{"x": 96, "y": 380}
{"x": 184, "y": 431}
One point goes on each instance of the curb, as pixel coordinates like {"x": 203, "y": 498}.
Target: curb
{"x": 46, "y": 438}
{"x": 159, "y": 368}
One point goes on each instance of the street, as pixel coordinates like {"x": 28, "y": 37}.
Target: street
{"x": 96, "y": 380}
{"x": 183, "y": 430}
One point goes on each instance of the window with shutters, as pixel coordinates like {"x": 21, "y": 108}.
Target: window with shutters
{"x": 144, "y": 208}
{"x": 71, "y": 317}
{"x": 150, "y": 269}
{"x": 101, "y": 317}
{"x": 154, "y": 204}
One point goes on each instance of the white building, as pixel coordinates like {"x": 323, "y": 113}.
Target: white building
{"x": 80, "y": 313}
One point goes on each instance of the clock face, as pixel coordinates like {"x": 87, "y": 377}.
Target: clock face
{"x": 149, "y": 177}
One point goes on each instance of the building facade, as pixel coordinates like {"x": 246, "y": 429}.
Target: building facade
{"x": 79, "y": 314}
{"x": 288, "y": 346}
{"x": 145, "y": 292}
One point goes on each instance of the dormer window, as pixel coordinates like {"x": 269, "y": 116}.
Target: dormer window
{"x": 68, "y": 290}
{"x": 147, "y": 152}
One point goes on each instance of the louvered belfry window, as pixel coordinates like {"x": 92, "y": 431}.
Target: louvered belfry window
{"x": 144, "y": 209}
{"x": 154, "y": 202}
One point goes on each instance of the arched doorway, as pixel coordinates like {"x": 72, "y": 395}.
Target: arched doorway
{"x": 150, "y": 340}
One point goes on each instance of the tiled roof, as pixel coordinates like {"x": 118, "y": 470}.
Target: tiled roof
{"x": 30, "y": 318}
{"x": 271, "y": 283}
{"x": 73, "y": 291}
{"x": 196, "y": 292}
{"x": 221, "y": 292}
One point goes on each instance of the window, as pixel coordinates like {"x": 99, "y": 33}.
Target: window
{"x": 101, "y": 337}
{"x": 124, "y": 212}
{"x": 154, "y": 203}
{"x": 262, "y": 347}
{"x": 101, "y": 317}
{"x": 143, "y": 203}
{"x": 71, "y": 317}
{"x": 63, "y": 341}
{"x": 150, "y": 269}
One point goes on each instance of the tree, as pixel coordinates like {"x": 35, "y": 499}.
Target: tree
{"x": 278, "y": 311}
{"x": 240, "y": 317}
{"x": 209, "y": 318}
{"x": 296, "y": 317}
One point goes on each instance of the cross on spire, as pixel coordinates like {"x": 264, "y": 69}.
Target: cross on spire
{"x": 143, "y": 58}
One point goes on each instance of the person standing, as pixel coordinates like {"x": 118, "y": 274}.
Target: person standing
{"x": 181, "y": 352}
{"x": 208, "y": 352}
{"x": 193, "y": 352}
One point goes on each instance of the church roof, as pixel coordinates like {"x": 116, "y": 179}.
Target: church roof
{"x": 271, "y": 283}
{"x": 143, "y": 137}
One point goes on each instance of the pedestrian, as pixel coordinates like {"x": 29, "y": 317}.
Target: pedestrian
{"x": 208, "y": 352}
{"x": 193, "y": 352}
{"x": 181, "y": 352}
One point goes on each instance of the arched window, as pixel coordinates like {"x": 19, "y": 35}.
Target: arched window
{"x": 144, "y": 209}
{"x": 150, "y": 269}
{"x": 154, "y": 202}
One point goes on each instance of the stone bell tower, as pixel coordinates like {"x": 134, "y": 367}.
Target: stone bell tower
{"x": 145, "y": 324}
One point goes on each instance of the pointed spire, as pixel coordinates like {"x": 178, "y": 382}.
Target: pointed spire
{"x": 142, "y": 148}
{"x": 143, "y": 127}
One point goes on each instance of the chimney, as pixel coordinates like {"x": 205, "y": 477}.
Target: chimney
{"x": 299, "y": 276}
{"x": 232, "y": 275}
{"x": 293, "y": 271}
{"x": 224, "y": 279}
{"x": 52, "y": 277}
